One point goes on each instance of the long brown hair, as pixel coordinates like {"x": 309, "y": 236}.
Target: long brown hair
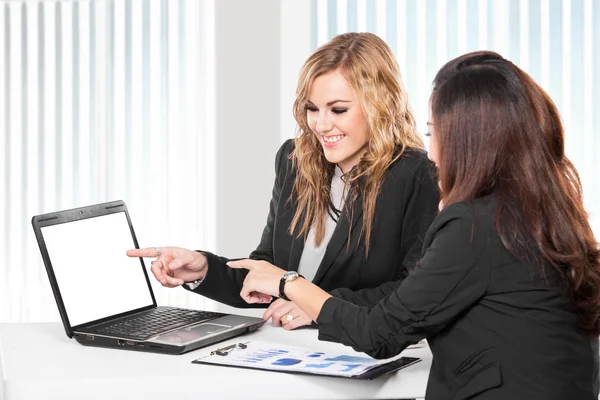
{"x": 498, "y": 132}
{"x": 369, "y": 66}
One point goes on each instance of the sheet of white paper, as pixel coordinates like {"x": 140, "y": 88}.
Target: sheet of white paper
{"x": 278, "y": 357}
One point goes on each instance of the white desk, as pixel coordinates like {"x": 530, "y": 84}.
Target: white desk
{"x": 38, "y": 361}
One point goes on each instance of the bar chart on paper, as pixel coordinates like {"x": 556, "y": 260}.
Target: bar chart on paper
{"x": 269, "y": 356}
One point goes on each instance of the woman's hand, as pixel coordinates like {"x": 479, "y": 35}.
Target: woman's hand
{"x": 173, "y": 265}
{"x": 281, "y": 309}
{"x": 262, "y": 280}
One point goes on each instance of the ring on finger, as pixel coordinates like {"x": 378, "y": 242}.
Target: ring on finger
{"x": 289, "y": 317}
{"x": 158, "y": 252}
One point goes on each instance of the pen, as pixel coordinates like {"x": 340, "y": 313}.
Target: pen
{"x": 225, "y": 350}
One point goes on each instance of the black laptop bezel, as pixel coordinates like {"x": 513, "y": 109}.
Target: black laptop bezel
{"x": 76, "y": 214}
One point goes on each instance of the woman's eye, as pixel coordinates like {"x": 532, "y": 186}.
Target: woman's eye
{"x": 311, "y": 108}
{"x": 339, "y": 110}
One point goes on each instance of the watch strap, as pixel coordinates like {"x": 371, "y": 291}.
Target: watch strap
{"x": 282, "y": 295}
{"x": 282, "y": 283}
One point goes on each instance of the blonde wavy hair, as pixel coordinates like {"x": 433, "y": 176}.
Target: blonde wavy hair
{"x": 369, "y": 66}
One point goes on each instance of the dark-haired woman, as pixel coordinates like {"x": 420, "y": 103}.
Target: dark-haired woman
{"x": 507, "y": 291}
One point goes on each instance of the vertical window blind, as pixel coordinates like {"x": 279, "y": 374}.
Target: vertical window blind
{"x": 103, "y": 100}
{"x": 557, "y": 42}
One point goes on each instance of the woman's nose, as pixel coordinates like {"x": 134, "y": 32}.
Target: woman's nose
{"x": 323, "y": 124}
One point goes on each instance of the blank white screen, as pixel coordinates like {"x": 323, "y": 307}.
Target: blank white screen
{"x": 95, "y": 277}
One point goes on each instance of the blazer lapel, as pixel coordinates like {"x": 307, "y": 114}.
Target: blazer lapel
{"x": 340, "y": 238}
{"x": 286, "y": 214}
{"x": 295, "y": 254}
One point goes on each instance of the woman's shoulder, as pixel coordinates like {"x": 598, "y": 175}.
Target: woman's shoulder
{"x": 473, "y": 208}
{"x": 283, "y": 161}
{"x": 285, "y": 149}
{"x": 411, "y": 160}
{"x": 476, "y": 214}
{"x": 411, "y": 167}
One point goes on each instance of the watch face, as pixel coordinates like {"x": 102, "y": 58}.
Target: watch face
{"x": 290, "y": 275}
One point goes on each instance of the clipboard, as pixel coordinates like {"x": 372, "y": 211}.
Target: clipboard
{"x": 273, "y": 357}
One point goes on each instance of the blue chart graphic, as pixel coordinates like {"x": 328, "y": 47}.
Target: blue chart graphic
{"x": 319, "y": 365}
{"x": 261, "y": 355}
{"x": 315, "y": 355}
{"x": 350, "y": 367}
{"x": 286, "y": 361}
{"x": 350, "y": 359}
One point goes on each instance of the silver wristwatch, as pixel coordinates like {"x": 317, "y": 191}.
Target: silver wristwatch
{"x": 287, "y": 277}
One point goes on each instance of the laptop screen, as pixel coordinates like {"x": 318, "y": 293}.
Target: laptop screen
{"x": 95, "y": 277}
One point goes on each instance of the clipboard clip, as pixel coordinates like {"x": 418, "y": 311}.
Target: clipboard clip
{"x": 228, "y": 349}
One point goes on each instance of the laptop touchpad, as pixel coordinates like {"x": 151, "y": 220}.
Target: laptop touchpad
{"x": 191, "y": 333}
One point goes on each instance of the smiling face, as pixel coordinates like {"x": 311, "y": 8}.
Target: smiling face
{"x": 334, "y": 114}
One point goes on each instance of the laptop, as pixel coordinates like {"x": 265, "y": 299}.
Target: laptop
{"x": 105, "y": 298}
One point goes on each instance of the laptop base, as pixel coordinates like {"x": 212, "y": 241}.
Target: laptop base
{"x": 149, "y": 346}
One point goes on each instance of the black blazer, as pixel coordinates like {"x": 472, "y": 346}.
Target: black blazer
{"x": 406, "y": 206}
{"x": 496, "y": 327}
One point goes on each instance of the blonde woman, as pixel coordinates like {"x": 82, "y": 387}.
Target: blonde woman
{"x": 354, "y": 192}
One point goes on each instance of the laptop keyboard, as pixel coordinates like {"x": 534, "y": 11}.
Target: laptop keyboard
{"x": 159, "y": 320}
